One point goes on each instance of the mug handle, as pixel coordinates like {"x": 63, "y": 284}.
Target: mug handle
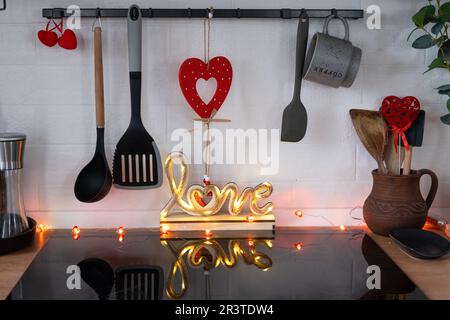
{"x": 434, "y": 185}
{"x": 344, "y": 21}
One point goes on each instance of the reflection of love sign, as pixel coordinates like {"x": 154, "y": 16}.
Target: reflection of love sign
{"x": 193, "y": 69}
{"x": 400, "y": 113}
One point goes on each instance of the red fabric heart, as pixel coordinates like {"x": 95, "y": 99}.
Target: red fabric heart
{"x": 48, "y": 38}
{"x": 193, "y": 69}
{"x": 68, "y": 40}
{"x": 400, "y": 113}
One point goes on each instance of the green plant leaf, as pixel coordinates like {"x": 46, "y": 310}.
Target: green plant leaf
{"x": 446, "y": 119}
{"x": 448, "y": 105}
{"x": 423, "y": 16}
{"x": 436, "y": 63}
{"x": 444, "y": 51}
{"x": 423, "y": 42}
{"x": 443, "y": 87}
{"x": 444, "y": 92}
{"x": 444, "y": 12}
{"x": 436, "y": 28}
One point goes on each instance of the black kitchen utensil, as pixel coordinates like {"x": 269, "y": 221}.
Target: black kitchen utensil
{"x": 94, "y": 181}
{"x": 420, "y": 243}
{"x": 139, "y": 283}
{"x": 414, "y": 135}
{"x": 295, "y": 118}
{"x": 98, "y": 275}
{"x": 136, "y": 163}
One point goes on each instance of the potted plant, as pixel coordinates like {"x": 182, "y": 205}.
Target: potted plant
{"x": 433, "y": 20}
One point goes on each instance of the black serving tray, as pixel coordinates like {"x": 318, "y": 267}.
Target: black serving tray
{"x": 421, "y": 244}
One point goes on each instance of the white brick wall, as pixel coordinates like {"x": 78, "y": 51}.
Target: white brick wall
{"x": 48, "y": 94}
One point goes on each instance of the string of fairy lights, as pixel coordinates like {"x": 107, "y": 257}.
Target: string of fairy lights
{"x": 165, "y": 231}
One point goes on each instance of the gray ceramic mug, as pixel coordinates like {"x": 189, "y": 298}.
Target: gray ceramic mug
{"x": 332, "y": 61}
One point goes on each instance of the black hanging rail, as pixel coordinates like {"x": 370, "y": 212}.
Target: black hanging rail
{"x": 203, "y": 13}
{"x": 3, "y": 6}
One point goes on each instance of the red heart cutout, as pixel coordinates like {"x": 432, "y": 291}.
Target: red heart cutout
{"x": 48, "y": 38}
{"x": 193, "y": 69}
{"x": 400, "y": 113}
{"x": 68, "y": 40}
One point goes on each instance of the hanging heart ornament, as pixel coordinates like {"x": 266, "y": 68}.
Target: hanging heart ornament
{"x": 400, "y": 113}
{"x": 193, "y": 69}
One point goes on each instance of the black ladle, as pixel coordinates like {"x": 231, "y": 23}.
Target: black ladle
{"x": 98, "y": 275}
{"x": 95, "y": 180}
{"x": 295, "y": 118}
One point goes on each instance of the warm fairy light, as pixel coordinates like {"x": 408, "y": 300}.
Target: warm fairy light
{"x": 121, "y": 231}
{"x": 41, "y": 228}
{"x": 164, "y": 229}
{"x": 189, "y": 198}
{"x": 250, "y": 218}
{"x": 121, "y": 237}
{"x": 251, "y": 243}
{"x": 342, "y": 227}
{"x": 298, "y": 246}
{"x": 76, "y": 233}
{"x": 76, "y": 230}
{"x": 298, "y": 213}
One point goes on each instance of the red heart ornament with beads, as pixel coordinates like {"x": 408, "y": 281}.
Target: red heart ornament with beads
{"x": 193, "y": 69}
{"x": 400, "y": 113}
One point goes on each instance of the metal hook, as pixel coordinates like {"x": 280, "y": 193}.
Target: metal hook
{"x": 98, "y": 18}
{"x": 303, "y": 13}
{"x": 210, "y": 12}
{"x": 4, "y": 6}
{"x": 334, "y": 12}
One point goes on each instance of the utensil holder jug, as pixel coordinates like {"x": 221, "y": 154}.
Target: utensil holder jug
{"x": 396, "y": 201}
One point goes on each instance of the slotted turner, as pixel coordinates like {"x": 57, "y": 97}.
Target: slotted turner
{"x": 136, "y": 163}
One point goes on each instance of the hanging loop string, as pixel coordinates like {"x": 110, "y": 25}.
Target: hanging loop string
{"x": 207, "y": 35}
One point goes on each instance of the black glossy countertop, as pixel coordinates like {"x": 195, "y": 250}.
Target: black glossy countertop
{"x": 329, "y": 265}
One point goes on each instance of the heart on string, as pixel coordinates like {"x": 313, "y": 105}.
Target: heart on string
{"x": 400, "y": 113}
{"x": 68, "y": 40}
{"x": 48, "y": 38}
{"x": 193, "y": 69}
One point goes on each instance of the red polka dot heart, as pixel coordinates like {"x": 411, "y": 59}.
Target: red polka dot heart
{"x": 193, "y": 69}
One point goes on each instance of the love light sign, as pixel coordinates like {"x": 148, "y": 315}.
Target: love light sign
{"x": 194, "y": 205}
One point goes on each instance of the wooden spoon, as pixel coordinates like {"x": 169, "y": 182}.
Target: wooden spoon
{"x": 393, "y": 163}
{"x": 372, "y": 130}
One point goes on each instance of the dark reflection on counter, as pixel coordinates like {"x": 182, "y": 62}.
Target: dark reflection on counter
{"x": 293, "y": 265}
{"x": 394, "y": 284}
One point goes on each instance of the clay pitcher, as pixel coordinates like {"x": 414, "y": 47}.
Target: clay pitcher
{"x": 396, "y": 202}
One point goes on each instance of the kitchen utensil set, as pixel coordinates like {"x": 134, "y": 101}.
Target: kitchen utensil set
{"x": 391, "y": 146}
{"x": 136, "y": 163}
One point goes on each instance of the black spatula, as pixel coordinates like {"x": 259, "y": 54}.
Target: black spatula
{"x": 414, "y": 136}
{"x": 137, "y": 163}
{"x": 295, "y": 118}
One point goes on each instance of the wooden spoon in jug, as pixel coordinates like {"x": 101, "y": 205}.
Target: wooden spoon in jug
{"x": 372, "y": 130}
